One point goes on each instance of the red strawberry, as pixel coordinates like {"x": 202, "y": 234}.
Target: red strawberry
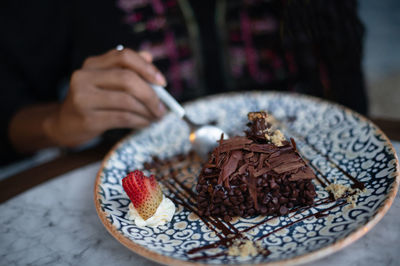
{"x": 144, "y": 192}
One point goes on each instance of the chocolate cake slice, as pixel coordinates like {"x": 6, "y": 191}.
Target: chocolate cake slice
{"x": 260, "y": 173}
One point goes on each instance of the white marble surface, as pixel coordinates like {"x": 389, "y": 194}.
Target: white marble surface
{"x": 56, "y": 224}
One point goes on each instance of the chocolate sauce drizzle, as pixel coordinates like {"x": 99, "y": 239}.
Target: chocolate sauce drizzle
{"x": 225, "y": 231}
{"x": 356, "y": 183}
{"x": 318, "y": 171}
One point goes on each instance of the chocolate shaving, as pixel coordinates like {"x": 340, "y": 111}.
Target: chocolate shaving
{"x": 229, "y": 167}
{"x": 255, "y": 158}
{"x": 248, "y": 155}
{"x": 236, "y": 143}
{"x": 261, "y": 161}
{"x": 262, "y": 171}
{"x": 293, "y": 144}
{"x": 243, "y": 168}
{"x": 253, "y": 186}
{"x": 286, "y": 167}
{"x": 303, "y": 173}
{"x": 263, "y": 148}
{"x": 284, "y": 160}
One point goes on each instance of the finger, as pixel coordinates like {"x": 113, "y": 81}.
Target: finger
{"x": 146, "y": 56}
{"x": 114, "y": 100}
{"x": 118, "y": 119}
{"x": 130, "y": 82}
{"x": 127, "y": 59}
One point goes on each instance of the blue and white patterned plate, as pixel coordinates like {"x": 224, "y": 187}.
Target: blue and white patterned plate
{"x": 350, "y": 140}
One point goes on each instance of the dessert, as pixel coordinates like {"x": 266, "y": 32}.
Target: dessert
{"x": 260, "y": 173}
{"x": 148, "y": 205}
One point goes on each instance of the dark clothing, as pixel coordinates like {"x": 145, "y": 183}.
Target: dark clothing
{"x": 203, "y": 47}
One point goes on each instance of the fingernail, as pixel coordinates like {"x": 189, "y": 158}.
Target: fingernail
{"x": 162, "y": 109}
{"x": 161, "y": 80}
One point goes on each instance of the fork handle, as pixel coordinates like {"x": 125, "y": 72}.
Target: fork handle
{"x": 169, "y": 101}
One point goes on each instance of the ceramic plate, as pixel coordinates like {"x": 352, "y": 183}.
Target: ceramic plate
{"x": 333, "y": 139}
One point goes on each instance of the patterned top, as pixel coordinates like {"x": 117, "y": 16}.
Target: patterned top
{"x": 203, "y": 47}
{"x": 207, "y": 47}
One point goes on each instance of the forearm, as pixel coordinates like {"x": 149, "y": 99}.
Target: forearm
{"x": 28, "y": 129}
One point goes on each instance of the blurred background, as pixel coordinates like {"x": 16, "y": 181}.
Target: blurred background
{"x": 381, "y": 63}
{"x": 382, "y": 56}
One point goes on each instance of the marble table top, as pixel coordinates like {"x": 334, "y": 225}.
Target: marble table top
{"x": 56, "y": 224}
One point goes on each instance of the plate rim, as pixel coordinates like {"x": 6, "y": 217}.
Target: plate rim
{"x": 308, "y": 257}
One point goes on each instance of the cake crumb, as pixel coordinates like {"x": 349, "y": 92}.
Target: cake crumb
{"x": 257, "y": 115}
{"x": 277, "y": 138}
{"x": 353, "y": 200}
{"x": 244, "y": 248}
{"x": 339, "y": 191}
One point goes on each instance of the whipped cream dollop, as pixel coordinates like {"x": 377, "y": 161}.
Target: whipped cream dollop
{"x": 163, "y": 214}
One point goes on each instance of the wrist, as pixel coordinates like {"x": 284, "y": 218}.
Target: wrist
{"x": 28, "y": 128}
{"x": 49, "y": 126}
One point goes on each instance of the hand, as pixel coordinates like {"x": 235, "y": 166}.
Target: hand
{"x": 109, "y": 91}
